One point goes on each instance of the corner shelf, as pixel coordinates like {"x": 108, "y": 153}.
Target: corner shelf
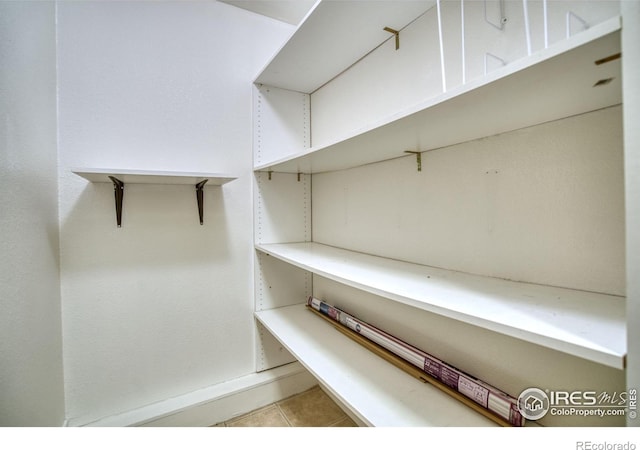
{"x": 121, "y": 177}
{"x": 377, "y": 392}
{"x": 584, "y": 324}
{"x": 530, "y": 91}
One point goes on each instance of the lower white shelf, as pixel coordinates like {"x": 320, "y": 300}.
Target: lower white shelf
{"x": 377, "y": 392}
{"x": 584, "y": 324}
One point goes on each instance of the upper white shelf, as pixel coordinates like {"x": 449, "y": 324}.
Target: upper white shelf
{"x": 585, "y": 324}
{"x": 152, "y": 176}
{"x": 551, "y": 84}
{"x": 377, "y": 392}
{"x": 331, "y": 37}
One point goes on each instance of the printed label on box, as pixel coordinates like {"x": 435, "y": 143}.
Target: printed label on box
{"x": 433, "y": 368}
{"x": 474, "y": 391}
{"x": 449, "y": 377}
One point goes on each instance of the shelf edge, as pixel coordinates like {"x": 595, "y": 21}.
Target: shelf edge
{"x": 101, "y": 175}
{"x": 608, "y": 357}
{"x": 592, "y": 34}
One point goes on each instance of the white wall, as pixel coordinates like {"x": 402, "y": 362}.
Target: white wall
{"x": 31, "y": 375}
{"x": 162, "y": 306}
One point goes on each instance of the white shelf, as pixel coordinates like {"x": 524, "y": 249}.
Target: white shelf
{"x": 584, "y": 324}
{"x": 152, "y": 176}
{"x": 122, "y": 177}
{"x": 377, "y": 392}
{"x": 331, "y": 37}
{"x": 551, "y": 84}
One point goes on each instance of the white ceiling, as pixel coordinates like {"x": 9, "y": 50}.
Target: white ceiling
{"x": 290, "y": 11}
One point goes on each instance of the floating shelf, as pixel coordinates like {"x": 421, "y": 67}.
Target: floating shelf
{"x": 551, "y": 84}
{"x": 306, "y": 62}
{"x": 122, "y": 177}
{"x": 584, "y": 324}
{"x": 377, "y": 392}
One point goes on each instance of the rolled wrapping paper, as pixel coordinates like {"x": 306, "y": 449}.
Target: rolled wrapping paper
{"x": 482, "y": 393}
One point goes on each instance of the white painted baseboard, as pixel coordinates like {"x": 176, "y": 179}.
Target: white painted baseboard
{"x": 216, "y": 403}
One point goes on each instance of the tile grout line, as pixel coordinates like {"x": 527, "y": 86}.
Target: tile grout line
{"x": 283, "y": 414}
{"x": 341, "y": 419}
{"x": 277, "y": 406}
{"x": 247, "y": 415}
{"x": 299, "y": 394}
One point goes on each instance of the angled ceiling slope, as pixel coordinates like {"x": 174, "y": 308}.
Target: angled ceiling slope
{"x": 289, "y": 11}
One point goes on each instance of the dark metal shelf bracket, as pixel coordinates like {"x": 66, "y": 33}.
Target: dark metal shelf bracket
{"x": 200, "y": 197}
{"x": 118, "y": 190}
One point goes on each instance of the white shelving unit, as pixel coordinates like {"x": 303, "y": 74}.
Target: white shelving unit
{"x": 376, "y": 392}
{"x": 530, "y": 91}
{"x": 584, "y": 324}
{"x": 121, "y": 177}
{"x": 566, "y": 79}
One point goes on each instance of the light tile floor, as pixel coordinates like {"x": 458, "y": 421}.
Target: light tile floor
{"x": 312, "y": 408}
